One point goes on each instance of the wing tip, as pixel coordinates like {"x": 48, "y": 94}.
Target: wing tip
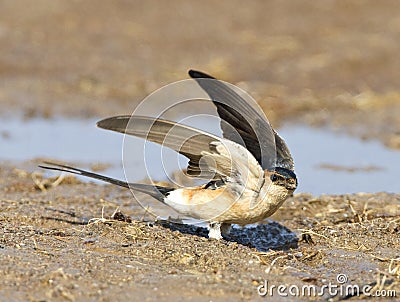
{"x": 114, "y": 122}
{"x": 101, "y": 123}
{"x": 195, "y": 74}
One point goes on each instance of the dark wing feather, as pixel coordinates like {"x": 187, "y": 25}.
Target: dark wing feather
{"x": 283, "y": 157}
{"x": 186, "y": 140}
{"x": 255, "y": 132}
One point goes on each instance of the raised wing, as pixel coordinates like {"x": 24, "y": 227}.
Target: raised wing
{"x": 243, "y": 124}
{"x": 210, "y": 157}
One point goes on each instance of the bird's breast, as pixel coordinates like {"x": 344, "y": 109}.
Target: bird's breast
{"x": 225, "y": 205}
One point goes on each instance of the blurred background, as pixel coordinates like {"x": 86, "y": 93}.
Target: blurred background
{"x": 326, "y": 73}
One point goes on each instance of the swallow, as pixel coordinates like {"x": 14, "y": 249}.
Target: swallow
{"x": 249, "y": 172}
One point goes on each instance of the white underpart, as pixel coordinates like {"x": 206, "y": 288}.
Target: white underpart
{"x": 198, "y": 204}
{"x": 176, "y": 199}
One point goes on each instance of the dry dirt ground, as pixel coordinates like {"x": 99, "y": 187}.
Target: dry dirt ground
{"x": 55, "y": 246}
{"x": 324, "y": 63}
{"x": 330, "y": 62}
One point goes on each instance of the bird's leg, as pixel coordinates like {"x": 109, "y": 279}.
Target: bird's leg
{"x": 214, "y": 230}
{"x": 225, "y": 228}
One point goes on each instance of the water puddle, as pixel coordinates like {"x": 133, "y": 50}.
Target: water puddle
{"x": 326, "y": 162}
{"x": 332, "y": 163}
{"x": 66, "y": 140}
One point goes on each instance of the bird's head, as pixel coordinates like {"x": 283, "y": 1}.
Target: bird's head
{"x": 284, "y": 177}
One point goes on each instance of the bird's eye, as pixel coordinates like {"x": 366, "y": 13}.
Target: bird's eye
{"x": 274, "y": 177}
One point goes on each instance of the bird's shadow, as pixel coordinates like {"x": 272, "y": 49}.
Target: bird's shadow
{"x": 263, "y": 237}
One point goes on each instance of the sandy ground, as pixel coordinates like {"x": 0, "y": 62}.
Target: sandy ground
{"x": 324, "y": 63}
{"x": 53, "y": 247}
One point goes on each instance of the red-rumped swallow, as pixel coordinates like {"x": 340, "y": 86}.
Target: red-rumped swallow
{"x": 250, "y": 171}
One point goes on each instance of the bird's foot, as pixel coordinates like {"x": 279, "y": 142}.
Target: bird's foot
{"x": 214, "y": 230}
{"x": 226, "y": 228}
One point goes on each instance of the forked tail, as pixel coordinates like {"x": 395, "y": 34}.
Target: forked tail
{"x": 158, "y": 192}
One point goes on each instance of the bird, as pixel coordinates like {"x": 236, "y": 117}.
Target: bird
{"x": 248, "y": 172}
